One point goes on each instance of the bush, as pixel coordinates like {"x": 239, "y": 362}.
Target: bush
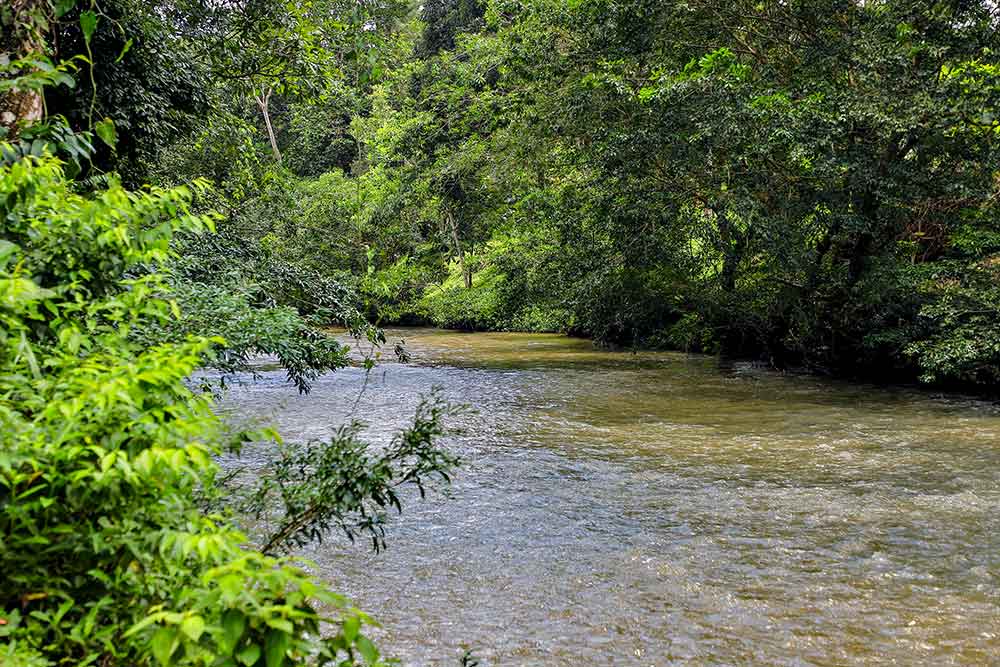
{"x": 106, "y": 557}
{"x": 454, "y": 306}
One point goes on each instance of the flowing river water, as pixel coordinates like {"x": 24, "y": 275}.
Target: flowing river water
{"x": 667, "y": 509}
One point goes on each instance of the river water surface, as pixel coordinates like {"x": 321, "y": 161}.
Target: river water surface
{"x": 666, "y": 509}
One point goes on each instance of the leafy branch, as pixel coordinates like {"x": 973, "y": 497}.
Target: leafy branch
{"x": 341, "y": 484}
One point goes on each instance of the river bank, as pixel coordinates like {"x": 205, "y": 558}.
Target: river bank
{"x": 875, "y": 376}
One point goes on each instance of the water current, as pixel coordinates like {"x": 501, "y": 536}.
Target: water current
{"x": 666, "y": 509}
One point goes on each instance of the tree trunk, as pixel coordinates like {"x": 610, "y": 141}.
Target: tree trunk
{"x": 20, "y": 107}
{"x": 733, "y": 246}
{"x": 453, "y": 226}
{"x": 262, "y": 101}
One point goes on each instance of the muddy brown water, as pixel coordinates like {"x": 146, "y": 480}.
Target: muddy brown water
{"x": 667, "y": 509}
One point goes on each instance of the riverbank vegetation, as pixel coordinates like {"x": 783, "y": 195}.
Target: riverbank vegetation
{"x": 120, "y": 542}
{"x": 812, "y": 183}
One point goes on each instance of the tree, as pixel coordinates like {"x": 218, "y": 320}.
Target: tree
{"x": 445, "y": 19}
{"x": 105, "y": 447}
{"x": 24, "y": 25}
{"x": 106, "y": 463}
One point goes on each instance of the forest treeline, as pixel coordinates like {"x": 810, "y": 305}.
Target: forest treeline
{"x": 810, "y": 183}
{"x": 813, "y": 183}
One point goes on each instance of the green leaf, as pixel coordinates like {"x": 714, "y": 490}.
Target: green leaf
{"x": 351, "y": 627}
{"x": 88, "y": 23}
{"x": 281, "y": 624}
{"x": 105, "y": 129}
{"x": 63, "y": 6}
{"x": 143, "y": 624}
{"x": 162, "y": 644}
{"x": 233, "y": 625}
{"x": 7, "y": 250}
{"x": 249, "y": 655}
{"x": 367, "y": 650}
{"x": 193, "y": 627}
{"x": 275, "y": 646}
{"x": 231, "y": 586}
{"x": 125, "y": 49}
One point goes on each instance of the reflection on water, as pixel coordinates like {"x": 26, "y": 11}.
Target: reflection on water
{"x": 656, "y": 509}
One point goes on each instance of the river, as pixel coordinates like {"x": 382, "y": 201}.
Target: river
{"x": 667, "y": 509}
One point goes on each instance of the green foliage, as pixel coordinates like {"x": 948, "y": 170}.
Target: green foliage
{"x": 107, "y": 558}
{"x": 958, "y": 338}
{"x": 508, "y": 292}
{"x": 793, "y": 186}
{"x": 445, "y": 19}
{"x": 322, "y": 486}
{"x": 455, "y": 306}
{"x": 53, "y": 137}
{"x": 111, "y": 299}
{"x": 217, "y": 311}
{"x": 138, "y": 71}
{"x": 263, "y": 281}
{"x": 33, "y": 74}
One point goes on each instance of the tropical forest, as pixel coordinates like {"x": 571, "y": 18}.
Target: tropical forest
{"x": 529, "y": 333}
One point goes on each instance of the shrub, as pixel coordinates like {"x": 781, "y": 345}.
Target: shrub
{"x": 106, "y": 557}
